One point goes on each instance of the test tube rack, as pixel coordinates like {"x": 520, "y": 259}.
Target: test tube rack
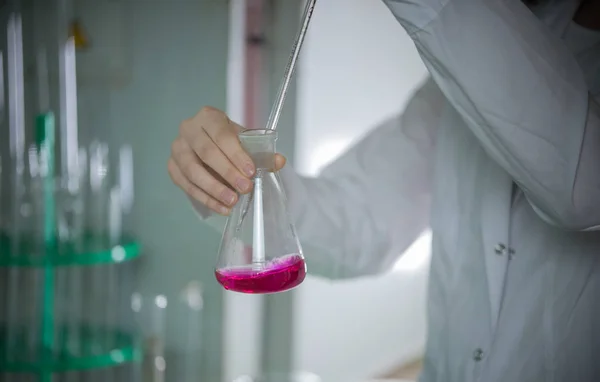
{"x": 52, "y": 353}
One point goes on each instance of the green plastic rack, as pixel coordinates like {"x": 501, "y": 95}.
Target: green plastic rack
{"x": 99, "y": 347}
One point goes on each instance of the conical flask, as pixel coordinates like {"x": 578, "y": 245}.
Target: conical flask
{"x": 260, "y": 251}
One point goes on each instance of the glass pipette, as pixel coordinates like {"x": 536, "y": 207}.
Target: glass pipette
{"x": 258, "y": 239}
{"x": 291, "y": 66}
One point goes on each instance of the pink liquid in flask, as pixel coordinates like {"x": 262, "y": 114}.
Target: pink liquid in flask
{"x": 275, "y": 276}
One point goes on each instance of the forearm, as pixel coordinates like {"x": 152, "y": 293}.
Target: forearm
{"x": 371, "y": 204}
{"x": 354, "y": 234}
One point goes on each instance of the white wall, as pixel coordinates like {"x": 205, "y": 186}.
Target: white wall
{"x": 358, "y": 67}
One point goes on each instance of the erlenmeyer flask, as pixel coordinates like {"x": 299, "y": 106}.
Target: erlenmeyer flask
{"x": 260, "y": 251}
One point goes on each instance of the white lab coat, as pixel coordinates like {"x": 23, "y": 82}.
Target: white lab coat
{"x": 501, "y": 145}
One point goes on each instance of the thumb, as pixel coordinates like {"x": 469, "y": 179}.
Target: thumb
{"x": 236, "y": 126}
{"x": 279, "y": 162}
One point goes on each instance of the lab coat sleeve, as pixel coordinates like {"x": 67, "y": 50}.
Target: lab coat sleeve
{"x": 369, "y": 205}
{"x": 521, "y": 92}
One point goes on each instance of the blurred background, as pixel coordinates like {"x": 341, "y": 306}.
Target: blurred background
{"x": 93, "y": 94}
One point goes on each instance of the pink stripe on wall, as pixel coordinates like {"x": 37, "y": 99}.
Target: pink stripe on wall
{"x": 254, "y": 29}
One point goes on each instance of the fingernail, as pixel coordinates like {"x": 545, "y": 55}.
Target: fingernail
{"x": 228, "y": 197}
{"x": 224, "y": 210}
{"x": 243, "y": 185}
{"x": 249, "y": 170}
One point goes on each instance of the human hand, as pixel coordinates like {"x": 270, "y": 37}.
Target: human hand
{"x": 208, "y": 162}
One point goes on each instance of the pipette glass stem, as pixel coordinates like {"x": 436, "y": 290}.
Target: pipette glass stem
{"x": 291, "y": 66}
{"x": 258, "y": 239}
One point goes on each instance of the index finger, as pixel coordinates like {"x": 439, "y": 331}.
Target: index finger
{"x": 224, "y": 133}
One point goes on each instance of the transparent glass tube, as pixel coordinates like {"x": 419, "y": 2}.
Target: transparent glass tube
{"x": 190, "y": 310}
{"x": 150, "y": 318}
{"x": 99, "y": 191}
{"x": 71, "y": 230}
{"x": 71, "y": 205}
{"x": 111, "y": 271}
{"x": 137, "y": 304}
{"x": 70, "y": 280}
{"x": 25, "y": 284}
{"x": 101, "y": 276}
{"x": 176, "y": 321}
{"x": 126, "y": 184}
{"x": 17, "y": 150}
{"x": 33, "y": 218}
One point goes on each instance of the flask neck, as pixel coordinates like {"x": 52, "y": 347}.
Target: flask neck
{"x": 260, "y": 145}
{"x": 264, "y": 162}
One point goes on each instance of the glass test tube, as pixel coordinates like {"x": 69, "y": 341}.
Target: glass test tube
{"x": 137, "y": 302}
{"x": 99, "y": 192}
{"x": 97, "y": 222}
{"x": 32, "y": 217}
{"x": 17, "y": 151}
{"x": 192, "y": 303}
{"x": 112, "y": 271}
{"x": 126, "y": 182}
{"x": 71, "y": 228}
{"x": 150, "y": 319}
{"x": 157, "y": 339}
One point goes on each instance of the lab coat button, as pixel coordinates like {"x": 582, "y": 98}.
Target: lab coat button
{"x": 500, "y": 249}
{"x": 478, "y": 355}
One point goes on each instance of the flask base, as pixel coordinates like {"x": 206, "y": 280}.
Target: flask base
{"x": 279, "y": 275}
